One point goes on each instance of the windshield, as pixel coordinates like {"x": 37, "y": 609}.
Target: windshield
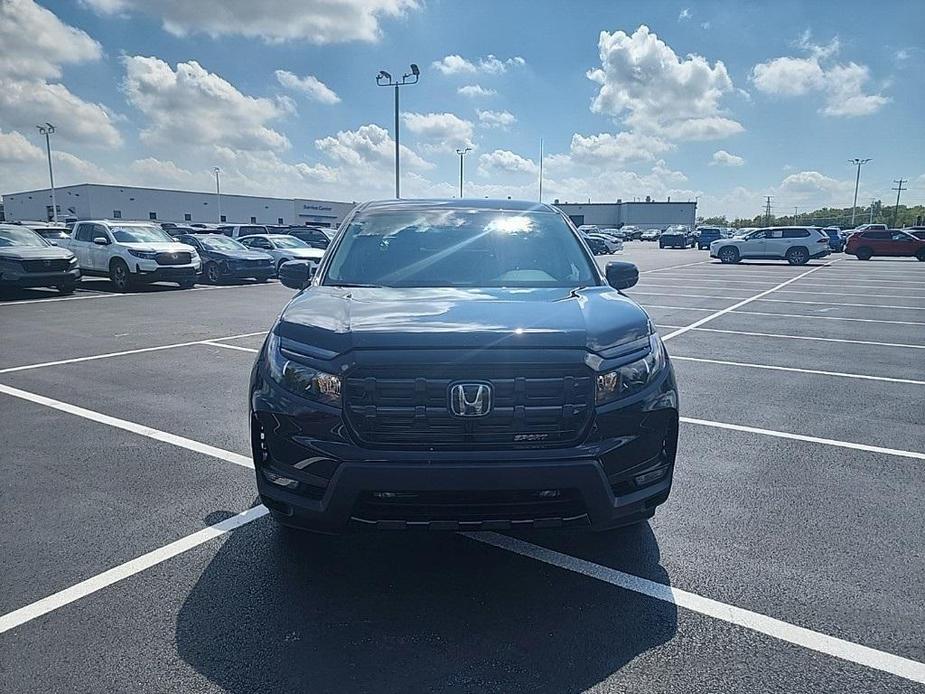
{"x": 221, "y": 243}
{"x": 15, "y": 236}
{"x": 141, "y": 233}
{"x": 460, "y": 248}
{"x": 289, "y": 242}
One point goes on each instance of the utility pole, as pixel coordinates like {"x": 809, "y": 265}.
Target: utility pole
{"x": 541, "y": 169}
{"x": 899, "y": 189}
{"x": 47, "y": 131}
{"x": 872, "y": 211}
{"x": 857, "y": 180}
{"x": 767, "y": 211}
{"x": 218, "y": 193}
{"x": 795, "y": 209}
{"x": 462, "y": 153}
{"x": 384, "y": 79}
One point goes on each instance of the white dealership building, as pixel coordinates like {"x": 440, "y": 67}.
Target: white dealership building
{"x": 98, "y": 201}
{"x": 648, "y": 214}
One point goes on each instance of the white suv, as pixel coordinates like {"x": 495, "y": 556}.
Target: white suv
{"x": 131, "y": 253}
{"x": 796, "y": 245}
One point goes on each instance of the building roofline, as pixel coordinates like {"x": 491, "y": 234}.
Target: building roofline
{"x": 172, "y": 190}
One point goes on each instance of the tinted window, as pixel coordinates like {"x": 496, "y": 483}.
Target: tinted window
{"x": 875, "y": 235}
{"x": 900, "y": 236}
{"x": 796, "y": 233}
{"x": 139, "y": 234}
{"x": 84, "y": 232}
{"x": 221, "y": 243}
{"x": 253, "y": 230}
{"x": 460, "y": 248}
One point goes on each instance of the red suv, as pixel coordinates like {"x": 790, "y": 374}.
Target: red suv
{"x": 893, "y": 242}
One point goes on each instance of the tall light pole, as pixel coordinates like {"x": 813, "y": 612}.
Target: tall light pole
{"x": 218, "y": 192}
{"x": 541, "y": 170}
{"x": 47, "y": 130}
{"x": 857, "y": 180}
{"x": 462, "y": 153}
{"x": 384, "y": 79}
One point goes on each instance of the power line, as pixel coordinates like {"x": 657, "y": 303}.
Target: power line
{"x": 899, "y": 189}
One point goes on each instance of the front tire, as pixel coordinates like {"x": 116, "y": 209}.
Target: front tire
{"x": 920, "y": 256}
{"x": 211, "y": 273}
{"x": 66, "y": 287}
{"x": 729, "y": 255}
{"x": 120, "y": 276}
{"x": 864, "y": 253}
{"x": 798, "y": 256}
{"x": 186, "y": 284}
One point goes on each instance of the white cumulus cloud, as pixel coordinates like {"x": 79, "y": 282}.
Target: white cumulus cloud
{"x": 505, "y": 161}
{"x": 723, "y": 158}
{"x": 644, "y": 82}
{"x": 310, "y": 86}
{"x": 475, "y": 90}
{"x": 842, "y": 84}
{"x": 439, "y": 131}
{"x": 193, "y": 106}
{"x": 316, "y": 21}
{"x": 496, "y": 119}
{"x": 490, "y": 65}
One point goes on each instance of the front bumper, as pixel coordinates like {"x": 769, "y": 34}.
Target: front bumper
{"x": 166, "y": 273}
{"x": 311, "y": 473}
{"x": 38, "y": 279}
{"x": 232, "y": 273}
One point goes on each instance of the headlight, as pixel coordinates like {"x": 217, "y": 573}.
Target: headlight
{"x": 633, "y": 377}
{"x": 300, "y": 379}
{"x": 146, "y": 255}
{"x": 73, "y": 261}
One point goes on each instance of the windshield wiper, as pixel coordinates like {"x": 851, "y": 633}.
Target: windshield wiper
{"x": 354, "y": 284}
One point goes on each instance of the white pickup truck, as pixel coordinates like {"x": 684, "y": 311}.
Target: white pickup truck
{"x": 131, "y": 253}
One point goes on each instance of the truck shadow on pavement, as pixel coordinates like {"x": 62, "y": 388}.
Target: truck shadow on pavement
{"x": 275, "y": 611}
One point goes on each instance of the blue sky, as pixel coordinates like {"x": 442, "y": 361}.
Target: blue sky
{"x": 726, "y": 101}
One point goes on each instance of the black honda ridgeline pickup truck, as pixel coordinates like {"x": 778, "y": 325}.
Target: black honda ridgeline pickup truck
{"x": 462, "y": 365}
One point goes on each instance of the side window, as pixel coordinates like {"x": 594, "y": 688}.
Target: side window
{"x": 84, "y": 232}
{"x": 100, "y": 230}
{"x": 795, "y": 233}
{"x": 900, "y": 236}
{"x": 759, "y": 235}
{"x": 777, "y": 234}
{"x": 876, "y": 235}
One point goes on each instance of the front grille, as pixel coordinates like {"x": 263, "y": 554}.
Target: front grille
{"x": 57, "y": 265}
{"x": 251, "y": 264}
{"x": 533, "y": 405}
{"x": 176, "y": 258}
{"x": 500, "y": 509}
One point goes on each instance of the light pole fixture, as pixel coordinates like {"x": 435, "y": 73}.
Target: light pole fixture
{"x": 384, "y": 79}
{"x": 858, "y": 163}
{"x": 218, "y": 192}
{"x": 47, "y": 131}
{"x": 462, "y": 153}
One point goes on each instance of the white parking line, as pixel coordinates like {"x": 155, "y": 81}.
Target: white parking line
{"x": 728, "y": 309}
{"x": 780, "y": 291}
{"x": 673, "y": 267}
{"x": 798, "y": 337}
{"x": 135, "y": 428}
{"x": 809, "y": 439}
{"x": 852, "y": 277}
{"x": 764, "y": 313}
{"x": 140, "y": 350}
{"x": 817, "y": 372}
{"x": 785, "y": 301}
{"x": 102, "y": 295}
{"x": 118, "y": 573}
{"x": 726, "y": 283}
{"x": 213, "y": 343}
{"x": 754, "y": 621}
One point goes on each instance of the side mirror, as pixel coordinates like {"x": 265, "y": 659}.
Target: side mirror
{"x": 295, "y": 274}
{"x": 622, "y": 275}
{"x": 101, "y": 241}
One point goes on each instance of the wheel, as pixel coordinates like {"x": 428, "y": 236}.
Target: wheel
{"x": 119, "y": 275}
{"x": 798, "y": 256}
{"x": 211, "y": 273}
{"x": 661, "y": 245}
{"x": 67, "y": 287}
{"x": 186, "y": 284}
{"x": 864, "y": 253}
{"x": 729, "y": 254}
{"x": 263, "y": 279}
{"x": 920, "y": 255}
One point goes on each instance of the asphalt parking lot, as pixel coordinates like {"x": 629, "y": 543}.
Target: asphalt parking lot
{"x": 789, "y": 557}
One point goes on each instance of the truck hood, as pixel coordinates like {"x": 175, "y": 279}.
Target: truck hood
{"x": 338, "y": 319}
{"x": 305, "y": 253}
{"x": 35, "y": 253}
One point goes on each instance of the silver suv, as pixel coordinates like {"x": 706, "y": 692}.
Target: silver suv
{"x": 796, "y": 245}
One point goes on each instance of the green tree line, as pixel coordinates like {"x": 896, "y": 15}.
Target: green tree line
{"x": 878, "y": 213}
